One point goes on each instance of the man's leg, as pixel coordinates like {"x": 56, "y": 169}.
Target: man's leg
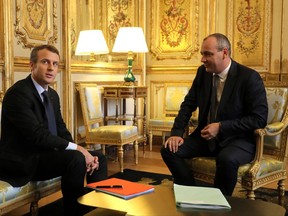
{"x": 179, "y": 169}
{"x": 71, "y": 166}
{"x": 227, "y": 163}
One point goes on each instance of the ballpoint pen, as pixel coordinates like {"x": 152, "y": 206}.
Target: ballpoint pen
{"x": 109, "y": 186}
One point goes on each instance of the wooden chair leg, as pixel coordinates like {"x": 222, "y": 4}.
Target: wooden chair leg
{"x": 163, "y": 137}
{"x": 120, "y": 157}
{"x": 34, "y": 208}
{"x": 150, "y": 139}
{"x": 250, "y": 195}
{"x": 281, "y": 192}
{"x": 136, "y": 151}
{"x": 103, "y": 149}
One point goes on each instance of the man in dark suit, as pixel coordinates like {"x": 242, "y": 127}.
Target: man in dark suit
{"x": 228, "y": 136}
{"x": 30, "y": 150}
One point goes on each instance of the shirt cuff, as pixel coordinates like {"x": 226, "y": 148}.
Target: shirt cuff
{"x": 71, "y": 146}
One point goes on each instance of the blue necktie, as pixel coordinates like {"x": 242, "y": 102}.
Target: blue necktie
{"x": 49, "y": 113}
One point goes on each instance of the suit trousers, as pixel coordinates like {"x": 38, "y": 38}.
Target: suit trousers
{"x": 71, "y": 166}
{"x": 228, "y": 160}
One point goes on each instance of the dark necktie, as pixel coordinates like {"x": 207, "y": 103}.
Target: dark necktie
{"x": 214, "y": 101}
{"x": 213, "y": 109}
{"x": 49, "y": 113}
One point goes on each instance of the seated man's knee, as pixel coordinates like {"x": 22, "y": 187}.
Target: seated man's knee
{"x": 164, "y": 151}
{"x": 227, "y": 161}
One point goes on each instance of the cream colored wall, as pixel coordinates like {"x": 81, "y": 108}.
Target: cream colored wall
{"x": 72, "y": 16}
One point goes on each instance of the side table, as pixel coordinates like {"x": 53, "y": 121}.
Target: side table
{"x": 120, "y": 94}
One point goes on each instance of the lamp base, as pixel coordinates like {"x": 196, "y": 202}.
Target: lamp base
{"x": 129, "y": 76}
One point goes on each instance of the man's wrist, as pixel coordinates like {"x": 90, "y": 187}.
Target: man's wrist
{"x": 71, "y": 146}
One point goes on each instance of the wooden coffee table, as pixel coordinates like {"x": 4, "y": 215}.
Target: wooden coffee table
{"x": 162, "y": 202}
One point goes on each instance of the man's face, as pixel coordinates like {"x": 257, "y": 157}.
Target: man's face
{"x": 213, "y": 59}
{"x": 45, "y": 69}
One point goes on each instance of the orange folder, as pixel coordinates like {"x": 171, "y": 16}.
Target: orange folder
{"x": 121, "y": 188}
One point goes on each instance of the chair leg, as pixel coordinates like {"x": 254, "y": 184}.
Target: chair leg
{"x": 150, "y": 139}
{"x": 136, "y": 151}
{"x": 34, "y": 208}
{"x": 281, "y": 192}
{"x": 163, "y": 137}
{"x": 103, "y": 149}
{"x": 120, "y": 157}
{"x": 250, "y": 194}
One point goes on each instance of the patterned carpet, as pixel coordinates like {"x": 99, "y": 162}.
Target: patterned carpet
{"x": 265, "y": 194}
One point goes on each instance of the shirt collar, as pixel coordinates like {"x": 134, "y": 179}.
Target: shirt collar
{"x": 38, "y": 87}
{"x": 224, "y": 73}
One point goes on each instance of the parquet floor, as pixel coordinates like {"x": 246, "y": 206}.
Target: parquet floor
{"x": 151, "y": 161}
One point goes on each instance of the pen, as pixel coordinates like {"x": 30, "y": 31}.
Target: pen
{"x": 109, "y": 186}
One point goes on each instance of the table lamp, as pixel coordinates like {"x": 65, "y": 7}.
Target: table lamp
{"x": 130, "y": 40}
{"x": 91, "y": 42}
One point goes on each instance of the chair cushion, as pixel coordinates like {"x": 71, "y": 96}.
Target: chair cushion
{"x": 207, "y": 165}
{"x": 7, "y": 192}
{"x": 110, "y": 133}
{"x": 162, "y": 122}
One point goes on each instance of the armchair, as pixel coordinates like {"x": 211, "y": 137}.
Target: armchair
{"x": 96, "y": 131}
{"x": 269, "y": 164}
{"x": 174, "y": 93}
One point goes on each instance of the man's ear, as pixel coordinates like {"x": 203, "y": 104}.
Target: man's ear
{"x": 31, "y": 64}
{"x": 225, "y": 53}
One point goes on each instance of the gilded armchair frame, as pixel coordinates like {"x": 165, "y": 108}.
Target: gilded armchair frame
{"x": 96, "y": 131}
{"x": 269, "y": 164}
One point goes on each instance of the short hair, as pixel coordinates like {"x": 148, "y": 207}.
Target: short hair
{"x": 36, "y": 49}
{"x": 222, "y": 42}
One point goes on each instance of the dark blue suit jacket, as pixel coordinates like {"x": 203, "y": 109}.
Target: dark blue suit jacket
{"x": 25, "y": 131}
{"x": 242, "y": 109}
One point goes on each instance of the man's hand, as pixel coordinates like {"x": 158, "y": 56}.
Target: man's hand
{"x": 173, "y": 143}
{"x": 92, "y": 162}
{"x": 210, "y": 131}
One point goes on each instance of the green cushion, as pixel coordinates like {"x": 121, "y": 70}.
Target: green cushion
{"x": 207, "y": 165}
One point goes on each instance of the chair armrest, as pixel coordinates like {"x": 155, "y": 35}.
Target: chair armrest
{"x": 272, "y": 129}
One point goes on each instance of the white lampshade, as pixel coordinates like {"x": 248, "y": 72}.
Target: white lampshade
{"x": 91, "y": 42}
{"x": 130, "y": 39}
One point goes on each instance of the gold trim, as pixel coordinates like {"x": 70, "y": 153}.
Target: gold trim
{"x": 174, "y": 29}
{"x": 249, "y": 25}
{"x": 33, "y": 23}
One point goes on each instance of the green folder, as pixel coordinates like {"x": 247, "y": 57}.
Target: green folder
{"x": 199, "y": 197}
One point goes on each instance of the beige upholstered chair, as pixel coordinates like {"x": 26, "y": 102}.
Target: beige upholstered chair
{"x": 96, "y": 131}
{"x": 174, "y": 94}
{"x": 269, "y": 164}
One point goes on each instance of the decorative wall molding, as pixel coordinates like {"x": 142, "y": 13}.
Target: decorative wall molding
{"x": 249, "y": 25}
{"x": 36, "y": 22}
{"x": 174, "y": 29}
